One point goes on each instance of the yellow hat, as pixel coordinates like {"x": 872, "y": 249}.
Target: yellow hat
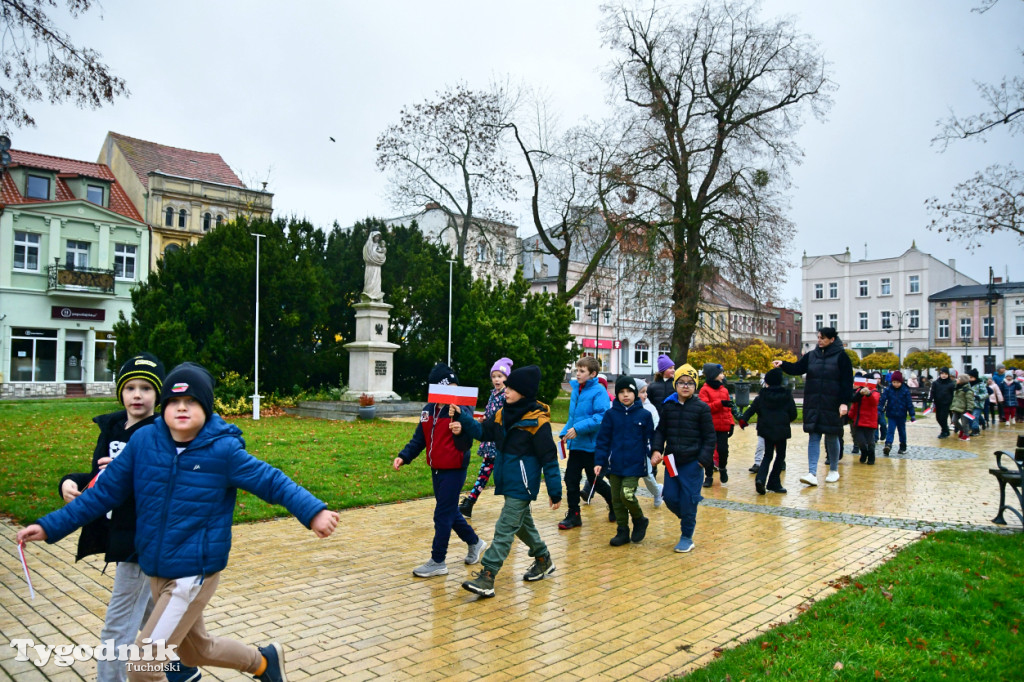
{"x": 685, "y": 370}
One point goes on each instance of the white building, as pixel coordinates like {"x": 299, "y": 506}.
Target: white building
{"x": 876, "y": 305}
{"x": 972, "y": 319}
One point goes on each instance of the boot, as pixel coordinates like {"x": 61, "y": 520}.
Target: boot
{"x": 621, "y": 537}
{"x": 708, "y": 481}
{"x": 723, "y": 475}
{"x": 466, "y": 507}
{"x": 572, "y": 520}
{"x": 871, "y": 457}
{"x": 639, "y": 529}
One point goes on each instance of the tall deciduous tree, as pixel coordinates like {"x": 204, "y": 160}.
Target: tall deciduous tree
{"x": 40, "y": 62}
{"x": 711, "y": 101}
{"x": 448, "y": 151}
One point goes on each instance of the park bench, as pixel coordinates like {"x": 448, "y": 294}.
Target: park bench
{"x": 1005, "y": 475}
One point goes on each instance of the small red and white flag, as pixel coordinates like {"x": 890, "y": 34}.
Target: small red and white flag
{"x": 561, "y": 449}
{"x": 450, "y": 394}
{"x": 670, "y": 465}
{"x": 929, "y": 409}
{"x": 864, "y": 382}
{"x": 24, "y": 566}
{"x": 969, "y": 415}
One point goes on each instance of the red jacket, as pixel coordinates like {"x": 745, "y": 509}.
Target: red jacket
{"x": 444, "y": 451}
{"x": 721, "y": 416}
{"x": 864, "y": 409}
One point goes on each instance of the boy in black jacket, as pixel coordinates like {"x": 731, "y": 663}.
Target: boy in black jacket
{"x": 775, "y": 409}
{"x": 686, "y": 436}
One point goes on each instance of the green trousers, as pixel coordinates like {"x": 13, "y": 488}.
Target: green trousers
{"x": 624, "y": 498}
{"x": 515, "y": 521}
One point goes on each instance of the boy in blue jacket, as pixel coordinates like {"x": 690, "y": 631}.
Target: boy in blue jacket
{"x": 623, "y": 453}
{"x": 896, "y": 404}
{"x": 524, "y": 448}
{"x": 588, "y": 401}
{"x": 184, "y": 470}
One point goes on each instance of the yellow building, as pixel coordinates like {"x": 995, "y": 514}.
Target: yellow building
{"x": 181, "y": 194}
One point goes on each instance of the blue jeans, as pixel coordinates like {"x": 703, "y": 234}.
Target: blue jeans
{"x": 894, "y": 426}
{"x": 447, "y": 517}
{"x": 814, "y": 451}
{"x": 682, "y": 495}
{"x": 130, "y": 603}
{"x": 881, "y": 428}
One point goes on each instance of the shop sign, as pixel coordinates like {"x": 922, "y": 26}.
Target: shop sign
{"x": 59, "y": 312}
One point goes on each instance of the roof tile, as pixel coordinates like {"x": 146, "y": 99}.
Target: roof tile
{"x": 147, "y": 157}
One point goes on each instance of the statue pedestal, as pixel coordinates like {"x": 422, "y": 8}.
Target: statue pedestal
{"x": 371, "y": 366}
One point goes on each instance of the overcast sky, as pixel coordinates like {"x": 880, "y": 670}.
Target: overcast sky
{"x": 265, "y": 84}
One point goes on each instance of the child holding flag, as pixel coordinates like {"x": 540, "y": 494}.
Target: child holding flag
{"x": 716, "y": 395}
{"x": 685, "y": 441}
{"x": 499, "y": 374}
{"x": 962, "y": 405}
{"x": 864, "y": 416}
{"x": 448, "y": 458}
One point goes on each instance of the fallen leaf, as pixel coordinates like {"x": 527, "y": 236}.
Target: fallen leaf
{"x": 838, "y": 665}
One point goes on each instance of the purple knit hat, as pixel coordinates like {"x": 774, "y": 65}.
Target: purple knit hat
{"x": 503, "y": 365}
{"x": 664, "y": 362}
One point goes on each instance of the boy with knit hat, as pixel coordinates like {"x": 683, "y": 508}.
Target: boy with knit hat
{"x": 499, "y": 374}
{"x": 623, "y": 453}
{"x": 521, "y": 432}
{"x": 448, "y": 458}
{"x": 896, "y": 404}
{"x": 716, "y": 395}
{"x": 775, "y": 410}
{"x": 685, "y": 440}
{"x": 184, "y": 470}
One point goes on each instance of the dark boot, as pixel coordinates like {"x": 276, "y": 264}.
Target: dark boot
{"x": 871, "y": 457}
{"x": 759, "y": 486}
{"x": 723, "y": 475}
{"x": 708, "y": 481}
{"x": 639, "y": 529}
{"x": 621, "y": 537}
{"x": 611, "y": 514}
{"x": 572, "y": 520}
{"x": 466, "y": 507}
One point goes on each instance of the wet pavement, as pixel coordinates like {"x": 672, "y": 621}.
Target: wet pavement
{"x": 348, "y": 607}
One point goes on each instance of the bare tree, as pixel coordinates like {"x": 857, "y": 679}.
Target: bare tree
{"x": 38, "y": 61}
{"x": 449, "y": 151}
{"x": 711, "y": 102}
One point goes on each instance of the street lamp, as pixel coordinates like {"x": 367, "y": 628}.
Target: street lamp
{"x": 900, "y": 315}
{"x": 990, "y": 362}
{"x": 451, "y": 264}
{"x": 597, "y": 311}
{"x": 256, "y": 343}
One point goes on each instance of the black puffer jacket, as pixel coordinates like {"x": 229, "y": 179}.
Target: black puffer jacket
{"x": 942, "y": 392}
{"x": 829, "y": 385}
{"x": 658, "y": 390}
{"x": 686, "y": 431}
{"x": 775, "y": 409}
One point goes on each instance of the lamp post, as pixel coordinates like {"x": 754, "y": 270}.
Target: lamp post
{"x": 990, "y": 364}
{"x": 900, "y": 315}
{"x": 451, "y": 265}
{"x": 967, "y": 350}
{"x": 256, "y": 343}
{"x": 595, "y": 309}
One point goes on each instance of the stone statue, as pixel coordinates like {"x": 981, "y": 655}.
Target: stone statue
{"x": 374, "y": 255}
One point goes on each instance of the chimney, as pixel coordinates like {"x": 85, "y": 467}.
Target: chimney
{"x": 997, "y": 280}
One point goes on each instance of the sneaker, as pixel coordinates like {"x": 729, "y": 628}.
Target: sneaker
{"x": 183, "y": 673}
{"x": 902, "y": 450}
{"x": 832, "y": 477}
{"x": 708, "y": 481}
{"x": 482, "y": 583}
{"x": 572, "y": 520}
{"x": 466, "y": 507}
{"x": 659, "y": 499}
{"x": 759, "y": 486}
{"x": 754, "y": 469}
{"x": 723, "y": 475}
{"x": 430, "y": 569}
{"x": 275, "y": 663}
{"x": 944, "y": 434}
{"x": 684, "y": 545}
{"x": 639, "y": 529}
{"x": 542, "y": 566}
{"x": 809, "y": 479}
{"x": 778, "y": 489}
{"x": 475, "y": 552}
{"x": 621, "y": 537}
{"x": 887, "y": 449}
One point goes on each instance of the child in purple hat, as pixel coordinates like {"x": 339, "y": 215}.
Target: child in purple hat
{"x": 499, "y": 374}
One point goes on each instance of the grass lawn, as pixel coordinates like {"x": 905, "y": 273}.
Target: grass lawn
{"x": 346, "y": 464}
{"x": 947, "y": 607}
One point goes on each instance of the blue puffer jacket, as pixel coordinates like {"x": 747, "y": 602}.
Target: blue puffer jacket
{"x": 586, "y": 408}
{"x": 184, "y": 503}
{"x": 897, "y": 403}
{"x": 624, "y": 440}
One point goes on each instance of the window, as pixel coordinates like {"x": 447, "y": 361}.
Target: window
{"x": 124, "y": 261}
{"x": 641, "y": 354}
{"x": 77, "y": 254}
{"x": 885, "y": 287}
{"x": 94, "y": 193}
{"x": 914, "y": 284}
{"x": 26, "y": 251}
{"x": 182, "y": 218}
{"x": 607, "y": 315}
{"x": 499, "y": 255}
{"x": 863, "y": 322}
{"x": 819, "y": 291}
{"x": 988, "y": 327}
{"x": 104, "y": 356}
{"x": 819, "y": 322}
{"x": 1019, "y": 321}
{"x": 169, "y": 217}
{"x": 37, "y": 187}
{"x": 943, "y": 329}
{"x": 576, "y": 310}
{"x": 833, "y": 289}
{"x": 220, "y": 220}
{"x": 171, "y": 248}
{"x": 965, "y": 327}
{"x": 700, "y": 319}
{"x": 663, "y": 348}
{"x": 207, "y": 222}
{"x": 33, "y": 354}
{"x": 886, "y": 322}
{"x": 833, "y": 320}
{"x": 862, "y": 287}
{"x": 915, "y": 318}
{"x": 481, "y": 252}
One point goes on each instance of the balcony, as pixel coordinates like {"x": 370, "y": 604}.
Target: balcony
{"x": 68, "y": 279}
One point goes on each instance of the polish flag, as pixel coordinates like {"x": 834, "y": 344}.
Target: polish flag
{"x": 865, "y": 382}
{"x": 929, "y": 409}
{"x": 670, "y": 465}
{"x": 449, "y": 394}
{"x": 561, "y": 448}
{"x": 969, "y": 415}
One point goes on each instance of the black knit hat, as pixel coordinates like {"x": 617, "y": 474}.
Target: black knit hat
{"x": 973, "y": 371}
{"x": 712, "y": 370}
{"x": 773, "y": 377}
{"x": 189, "y": 379}
{"x": 625, "y": 381}
{"x": 143, "y": 366}
{"x": 442, "y": 374}
{"x": 525, "y": 381}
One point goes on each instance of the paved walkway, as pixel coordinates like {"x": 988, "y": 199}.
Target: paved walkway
{"x": 348, "y": 607}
